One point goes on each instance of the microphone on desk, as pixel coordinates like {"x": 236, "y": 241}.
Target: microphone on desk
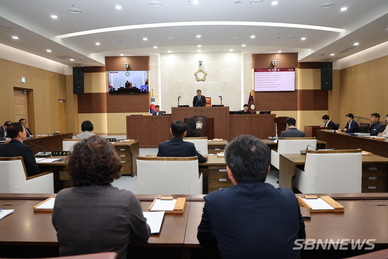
{"x": 44, "y": 154}
{"x": 303, "y": 152}
{"x": 179, "y": 97}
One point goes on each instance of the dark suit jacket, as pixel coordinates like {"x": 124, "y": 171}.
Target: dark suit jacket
{"x": 199, "y": 102}
{"x": 16, "y": 148}
{"x": 252, "y": 220}
{"x": 331, "y": 125}
{"x": 156, "y": 114}
{"x": 29, "y": 131}
{"x": 292, "y": 132}
{"x": 353, "y": 127}
{"x": 2, "y": 132}
{"x": 94, "y": 219}
{"x": 376, "y": 128}
{"x": 176, "y": 147}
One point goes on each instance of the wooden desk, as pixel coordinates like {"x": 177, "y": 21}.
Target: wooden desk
{"x": 28, "y": 234}
{"x": 259, "y": 125}
{"x": 343, "y": 141}
{"x": 311, "y": 131}
{"x": 372, "y": 166}
{"x": 127, "y": 151}
{"x": 214, "y": 174}
{"x": 215, "y": 147}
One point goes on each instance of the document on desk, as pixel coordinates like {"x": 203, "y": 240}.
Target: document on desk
{"x": 164, "y": 205}
{"x": 318, "y": 204}
{"x": 47, "y": 160}
{"x": 4, "y": 213}
{"x": 154, "y": 220}
{"x": 47, "y": 204}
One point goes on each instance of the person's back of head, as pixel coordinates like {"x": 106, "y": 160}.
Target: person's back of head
{"x": 350, "y": 115}
{"x": 93, "y": 161}
{"x": 178, "y": 128}
{"x": 14, "y": 129}
{"x": 190, "y": 123}
{"x": 87, "y": 126}
{"x": 325, "y": 117}
{"x": 290, "y": 121}
{"x": 248, "y": 158}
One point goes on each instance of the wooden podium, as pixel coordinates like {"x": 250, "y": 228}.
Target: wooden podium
{"x": 220, "y": 115}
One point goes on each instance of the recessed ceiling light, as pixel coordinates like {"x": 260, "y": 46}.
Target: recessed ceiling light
{"x": 48, "y": 50}
{"x": 199, "y": 46}
{"x": 145, "y": 39}
{"x": 121, "y": 54}
{"x": 253, "y": 36}
{"x": 169, "y": 51}
{"x": 199, "y": 50}
{"x": 15, "y": 37}
{"x": 198, "y": 36}
{"x": 231, "y": 50}
{"x": 54, "y": 16}
{"x": 235, "y": 37}
{"x": 274, "y": 2}
{"x": 118, "y": 7}
{"x": 155, "y": 47}
{"x": 256, "y": 2}
{"x": 356, "y": 44}
{"x": 343, "y": 9}
{"x": 75, "y": 10}
{"x": 155, "y": 4}
{"x": 332, "y": 54}
{"x": 327, "y": 5}
{"x": 279, "y": 51}
{"x": 72, "y": 59}
{"x": 195, "y": 2}
{"x": 98, "y": 44}
{"x": 304, "y": 38}
{"x": 243, "y": 45}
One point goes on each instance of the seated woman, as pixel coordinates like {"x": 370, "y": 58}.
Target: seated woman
{"x": 191, "y": 128}
{"x": 86, "y": 127}
{"x": 93, "y": 216}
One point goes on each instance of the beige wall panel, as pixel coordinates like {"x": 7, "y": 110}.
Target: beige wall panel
{"x": 99, "y": 121}
{"x": 308, "y": 79}
{"x": 310, "y": 118}
{"x": 95, "y": 82}
{"x": 117, "y": 123}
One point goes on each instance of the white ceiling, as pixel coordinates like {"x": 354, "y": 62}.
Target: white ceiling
{"x": 278, "y": 27}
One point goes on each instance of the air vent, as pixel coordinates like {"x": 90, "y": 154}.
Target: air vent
{"x": 75, "y": 10}
{"x": 327, "y": 5}
{"x": 346, "y": 50}
{"x": 64, "y": 57}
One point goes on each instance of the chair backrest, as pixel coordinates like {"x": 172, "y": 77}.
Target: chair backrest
{"x": 67, "y": 144}
{"x": 337, "y": 125}
{"x": 364, "y": 127}
{"x": 295, "y": 145}
{"x": 208, "y": 101}
{"x": 14, "y": 179}
{"x": 168, "y": 175}
{"x": 333, "y": 171}
{"x": 200, "y": 143}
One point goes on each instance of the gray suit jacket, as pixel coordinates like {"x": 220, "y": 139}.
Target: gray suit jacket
{"x": 94, "y": 219}
{"x": 292, "y": 132}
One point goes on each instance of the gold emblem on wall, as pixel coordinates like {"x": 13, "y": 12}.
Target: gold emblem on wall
{"x": 200, "y": 75}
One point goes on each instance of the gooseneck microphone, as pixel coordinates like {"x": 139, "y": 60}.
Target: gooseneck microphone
{"x": 40, "y": 153}
{"x": 179, "y": 97}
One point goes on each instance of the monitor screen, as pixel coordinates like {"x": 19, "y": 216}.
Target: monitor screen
{"x": 274, "y": 79}
{"x": 134, "y": 81}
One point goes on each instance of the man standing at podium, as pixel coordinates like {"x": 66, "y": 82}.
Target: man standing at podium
{"x": 251, "y": 219}
{"x": 199, "y": 100}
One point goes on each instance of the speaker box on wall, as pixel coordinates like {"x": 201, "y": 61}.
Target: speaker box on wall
{"x": 78, "y": 80}
{"x": 326, "y": 76}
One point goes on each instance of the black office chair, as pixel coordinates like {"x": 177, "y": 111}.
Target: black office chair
{"x": 364, "y": 127}
{"x": 336, "y": 126}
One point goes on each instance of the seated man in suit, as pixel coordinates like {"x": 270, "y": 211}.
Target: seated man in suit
{"x": 327, "y": 122}
{"x": 157, "y": 112}
{"x": 246, "y": 110}
{"x": 15, "y": 147}
{"x": 385, "y": 132}
{"x": 291, "y": 130}
{"x": 351, "y": 124}
{"x": 176, "y": 147}
{"x": 252, "y": 219}
{"x": 199, "y": 100}
{"x": 376, "y": 126}
{"x": 28, "y": 131}
{"x": 3, "y": 129}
